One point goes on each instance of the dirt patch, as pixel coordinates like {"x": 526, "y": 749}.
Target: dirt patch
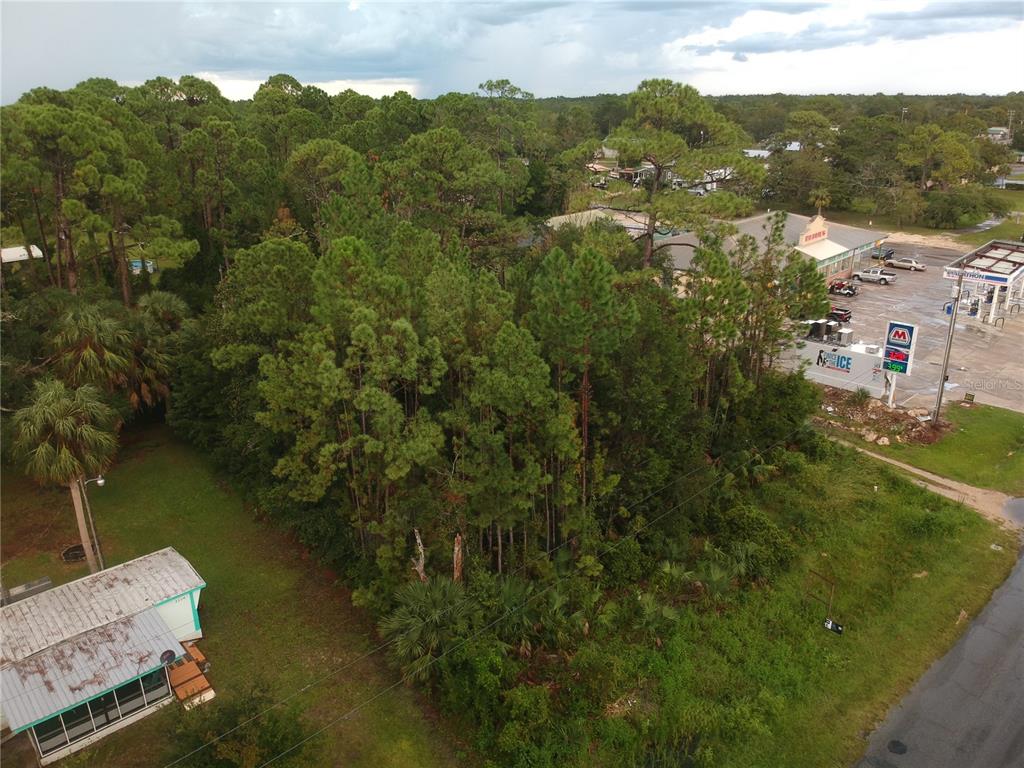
{"x": 43, "y": 519}
{"x": 933, "y": 241}
{"x": 872, "y": 421}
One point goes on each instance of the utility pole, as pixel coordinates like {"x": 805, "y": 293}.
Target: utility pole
{"x": 949, "y": 338}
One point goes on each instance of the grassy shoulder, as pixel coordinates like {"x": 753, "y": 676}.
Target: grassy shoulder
{"x": 1010, "y": 229}
{"x": 267, "y": 612}
{"x": 984, "y": 448}
{"x": 904, "y": 563}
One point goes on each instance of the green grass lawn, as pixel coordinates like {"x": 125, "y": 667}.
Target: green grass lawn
{"x": 1013, "y": 198}
{"x": 904, "y": 562}
{"x": 1010, "y": 229}
{"x": 985, "y": 448}
{"x": 267, "y": 611}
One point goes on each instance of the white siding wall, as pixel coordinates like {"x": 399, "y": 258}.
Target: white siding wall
{"x": 177, "y": 613}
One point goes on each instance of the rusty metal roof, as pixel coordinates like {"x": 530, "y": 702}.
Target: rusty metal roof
{"x": 59, "y": 614}
{"x": 83, "y": 667}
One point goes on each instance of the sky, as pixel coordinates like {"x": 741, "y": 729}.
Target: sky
{"x": 547, "y": 47}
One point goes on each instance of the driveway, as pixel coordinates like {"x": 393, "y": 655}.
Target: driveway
{"x": 968, "y": 709}
{"x": 984, "y": 360}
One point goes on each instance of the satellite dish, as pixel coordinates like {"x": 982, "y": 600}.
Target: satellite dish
{"x": 167, "y": 657}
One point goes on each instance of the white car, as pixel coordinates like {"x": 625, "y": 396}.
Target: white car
{"x": 906, "y": 263}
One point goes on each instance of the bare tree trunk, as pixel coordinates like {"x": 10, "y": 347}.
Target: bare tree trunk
{"x": 83, "y": 527}
{"x": 64, "y": 237}
{"x": 584, "y": 427}
{"x": 95, "y": 258}
{"x": 457, "y": 559}
{"x": 499, "y": 549}
{"x": 419, "y": 562}
{"x": 547, "y": 514}
{"x": 92, "y": 526}
{"x": 43, "y": 242}
{"x": 122, "y": 259}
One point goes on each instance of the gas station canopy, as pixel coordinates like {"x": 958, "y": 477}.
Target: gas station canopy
{"x": 998, "y": 262}
{"x": 996, "y": 270}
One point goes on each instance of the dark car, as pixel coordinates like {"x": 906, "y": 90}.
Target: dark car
{"x": 840, "y": 314}
{"x": 880, "y": 255}
{"x": 842, "y": 288}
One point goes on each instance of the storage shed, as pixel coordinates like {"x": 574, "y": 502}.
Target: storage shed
{"x": 89, "y": 657}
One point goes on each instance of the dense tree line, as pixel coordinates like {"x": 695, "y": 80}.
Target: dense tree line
{"x": 530, "y": 457}
{"x": 913, "y": 159}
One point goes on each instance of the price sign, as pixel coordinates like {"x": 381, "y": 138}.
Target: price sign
{"x": 900, "y": 339}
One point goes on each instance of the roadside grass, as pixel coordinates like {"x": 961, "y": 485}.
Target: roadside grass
{"x": 904, "y": 562}
{"x": 877, "y": 223}
{"x": 1010, "y": 229}
{"x": 984, "y": 448}
{"x": 268, "y": 612}
{"x": 1013, "y": 198}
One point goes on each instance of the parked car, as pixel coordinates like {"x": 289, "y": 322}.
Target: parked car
{"x": 883, "y": 255}
{"x": 906, "y": 263}
{"x": 875, "y": 275}
{"x": 840, "y": 314}
{"x": 843, "y": 288}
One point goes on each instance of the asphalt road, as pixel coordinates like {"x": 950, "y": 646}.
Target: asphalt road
{"x": 967, "y": 711}
{"x": 985, "y": 360}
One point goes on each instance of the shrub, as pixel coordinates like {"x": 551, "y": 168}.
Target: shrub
{"x": 255, "y": 733}
{"x": 624, "y": 563}
{"x": 743, "y": 525}
{"x": 961, "y": 207}
{"x": 859, "y": 398}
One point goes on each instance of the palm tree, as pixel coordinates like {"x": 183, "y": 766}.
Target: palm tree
{"x": 820, "y": 197}
{"x": 429, "y": 618}
{"x": 154, "y": 329}
{"x": 64, "y": 435}
{"x": 90, "y": 347}
{"x": 165, "y": 309}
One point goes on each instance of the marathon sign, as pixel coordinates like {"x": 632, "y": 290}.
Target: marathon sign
{"x": 900, "y": 339}
{"x": 974, "y": 275}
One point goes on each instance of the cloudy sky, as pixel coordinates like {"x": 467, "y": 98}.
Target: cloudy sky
{"x": 547, "y": 47}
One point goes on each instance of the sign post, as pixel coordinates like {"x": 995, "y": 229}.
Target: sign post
{"x": 957, "y": 295}
{"x": 898, "y": 356}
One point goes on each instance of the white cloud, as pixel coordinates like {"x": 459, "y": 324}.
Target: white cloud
{"x": 239, "y": 88}
{"x": 548, "y": 47}
{"x": 949, "y": 63}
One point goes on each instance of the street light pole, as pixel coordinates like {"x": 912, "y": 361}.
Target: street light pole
{"x": 92, "y": 523}
{"x": 949, "y": 339}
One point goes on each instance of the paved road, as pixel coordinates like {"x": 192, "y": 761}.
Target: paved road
{"x": 968, "y": 709}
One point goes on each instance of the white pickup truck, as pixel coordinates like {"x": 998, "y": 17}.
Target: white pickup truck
{"x": 875, "y": 275}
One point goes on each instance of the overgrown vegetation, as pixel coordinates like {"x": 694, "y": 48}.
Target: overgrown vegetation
{"x": 984, "y": 447}
{"x": 543, "y": 472}
{"x": 270, "y": 614}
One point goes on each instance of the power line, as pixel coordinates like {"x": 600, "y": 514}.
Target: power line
{"x": 526, "y": 602}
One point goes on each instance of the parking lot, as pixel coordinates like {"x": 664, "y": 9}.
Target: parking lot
{"x": 984, "y": 360}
